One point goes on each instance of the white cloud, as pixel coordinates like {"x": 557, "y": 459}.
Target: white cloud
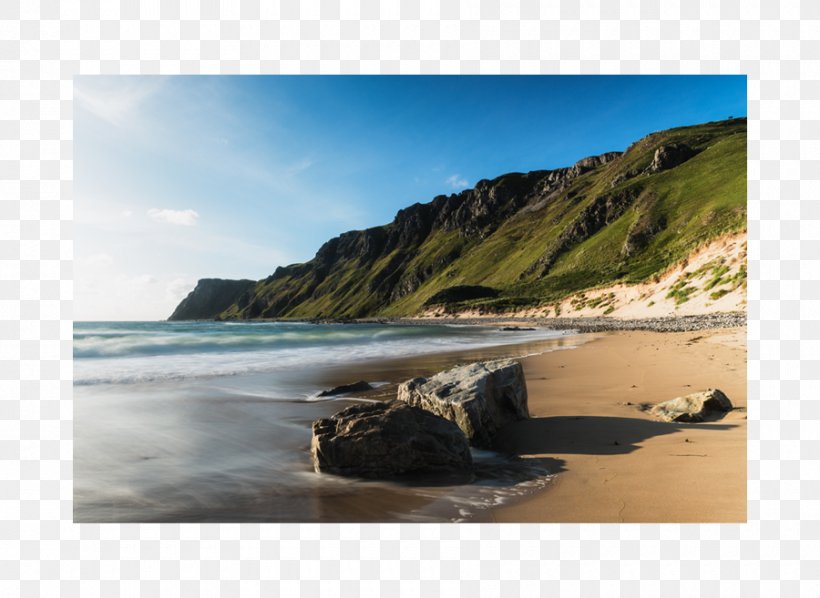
{"x": 183, "y": 217}
{"x": 105, "y": 295}
{"x": 115, "y": 100}
{"x": 457, "y": 182}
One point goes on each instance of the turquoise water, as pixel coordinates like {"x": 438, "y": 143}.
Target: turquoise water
{"x": 128, "y": 352}
{"x": 211, "y": 421}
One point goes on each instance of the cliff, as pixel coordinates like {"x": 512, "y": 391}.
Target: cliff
{"x": 524, "y": 239}
{"x": 210, "y": 297}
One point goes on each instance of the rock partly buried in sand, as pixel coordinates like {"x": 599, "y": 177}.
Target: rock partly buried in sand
{"x": 359, "y": 386}
{"x": 697, "y": 407}
{"x": 378, "y": 440}
{"x": 480, "y": 398}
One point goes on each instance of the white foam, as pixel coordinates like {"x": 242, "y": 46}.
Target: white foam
{"x": 136, "y": 359}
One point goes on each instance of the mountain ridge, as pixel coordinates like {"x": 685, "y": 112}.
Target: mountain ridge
{"x": 530, "y": 238}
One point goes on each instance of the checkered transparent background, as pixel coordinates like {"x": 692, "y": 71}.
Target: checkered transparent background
{"x": 43, "y": 45}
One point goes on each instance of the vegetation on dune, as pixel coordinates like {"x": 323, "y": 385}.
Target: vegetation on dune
{"x": 709, "y": 276}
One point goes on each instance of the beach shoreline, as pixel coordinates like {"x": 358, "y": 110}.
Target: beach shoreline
{"x": 666, "y": 323}
{"x": 623, "y": 465}
{"x": 612, "y": 461}
{"x": 618, "y": 463}
{"x": 582, "y": 324}
{"x": 604, "y": 459}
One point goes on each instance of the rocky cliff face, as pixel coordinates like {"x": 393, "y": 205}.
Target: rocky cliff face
{"x": 523, "y": 237}
{"x": 390, "y": 253}
{"x": 210, "y": 297}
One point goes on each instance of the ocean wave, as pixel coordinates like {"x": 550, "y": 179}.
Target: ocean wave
{"x": 172, "y": 353}
{"x": 123, "y": 345}
{"x": 113, "y": 342}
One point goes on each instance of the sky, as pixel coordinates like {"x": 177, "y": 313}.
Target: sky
{"x": 178, "y": 178}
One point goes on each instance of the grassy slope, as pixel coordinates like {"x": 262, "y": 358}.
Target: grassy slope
{"x": 698, "y": 200}
{"x": 701, "y": 199}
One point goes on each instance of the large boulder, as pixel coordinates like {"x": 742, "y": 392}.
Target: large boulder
{"x": 376, "y": 440}
{"x": 696, "y": 407}
{"x": 480, "y": 397}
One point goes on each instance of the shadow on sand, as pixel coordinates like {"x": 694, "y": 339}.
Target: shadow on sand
{"x": 512, "y": 462}
{"x": 588, "y": 435}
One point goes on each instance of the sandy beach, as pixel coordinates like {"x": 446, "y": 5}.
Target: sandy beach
{"x": 617, "y": 463}
{"x": 236, "y": 447}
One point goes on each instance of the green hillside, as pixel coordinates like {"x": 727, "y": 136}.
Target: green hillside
{"x": 527, "y": 239}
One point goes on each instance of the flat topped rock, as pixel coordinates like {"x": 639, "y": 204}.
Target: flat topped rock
{"x": 479, "y": 398}
{"x": 696, "y": 407}
{"x": 377, "y": 440}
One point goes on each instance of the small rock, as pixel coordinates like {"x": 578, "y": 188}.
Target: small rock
{"x": 359, "y": 386}
{"x": 696, "y": 407}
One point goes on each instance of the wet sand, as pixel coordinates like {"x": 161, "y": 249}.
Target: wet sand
{"x": 224, "y": 449}
{"x": 617, "y": 463}
{"x": 396, "y": 370}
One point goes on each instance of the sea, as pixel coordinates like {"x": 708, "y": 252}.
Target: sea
{"x": 211, "y": 421}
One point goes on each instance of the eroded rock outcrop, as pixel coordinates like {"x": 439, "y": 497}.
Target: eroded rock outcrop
{"x": 641, "y": 232}
{"x": 377, "y": 440}
{"x": 669, "y": 156}
{"x": 592, "y": 162}
{"x": 602, "y": 211}
{"x": 480, "y": 397}
{"x": 697, "y": 407}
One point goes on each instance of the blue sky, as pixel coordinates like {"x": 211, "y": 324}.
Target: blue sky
{"x": 180, "y": 178}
